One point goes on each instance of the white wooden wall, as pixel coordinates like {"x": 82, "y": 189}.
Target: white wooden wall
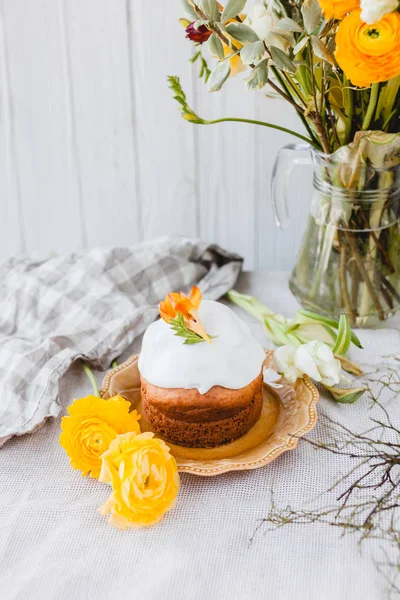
{"x": 93, "y": 150}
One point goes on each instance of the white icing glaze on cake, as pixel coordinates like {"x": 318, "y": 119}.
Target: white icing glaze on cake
{"x": 232, "y": 360}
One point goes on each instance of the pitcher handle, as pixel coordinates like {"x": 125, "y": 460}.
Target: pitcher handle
{"x": 288, "y": 157}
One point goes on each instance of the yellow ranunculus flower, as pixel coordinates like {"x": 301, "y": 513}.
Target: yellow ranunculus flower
{"x": 93, "y": 423}
{"x": 337, "y": 9}
{"x": 369, "y": 53}
{"x": 144, "y": 478}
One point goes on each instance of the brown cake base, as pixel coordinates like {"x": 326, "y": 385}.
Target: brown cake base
{"x": 188, "y": 418}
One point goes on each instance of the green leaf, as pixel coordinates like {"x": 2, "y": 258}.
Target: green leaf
{"x": 241, "y": 32}
{"x": 218, "y": 76}
{"x": 321, "y": 50}
{"x": 182, "y": 330}
{"x": 306, "y": 316}
{"x": 258, "y": 77}
{"x": 215, "y": 46}
{"x": 300, "y": 45}
{"x": 313, "y": 331}
{"x": 199, "y": 23}
{"x": 195, "y": 56}
{"x": 312, "y": 316}
{"x": 312, "y": 14}
{"x": 189, "y": 10}
{"x": 287, "y": 24}
{"x": 251, "y": 305}
{"x": 232, "y": 9}
{"x": 343, "y": 339}
{"x": 349, "y": 366}
{"x": 210, "y": 9}
{"x": 281, "y": 60}
{"x": 277, "y": 333}
{"x": 346, "y": 396}
{"x": 252, "y": 53}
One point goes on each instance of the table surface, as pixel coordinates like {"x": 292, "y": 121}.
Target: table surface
{"x": 55, "y": 544}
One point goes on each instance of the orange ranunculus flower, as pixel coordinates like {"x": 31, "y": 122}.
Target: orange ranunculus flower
{"x": 144, "y": 479}
{"x": 337, "y": 9}
{"x": 369, "y": 53}
{"x": 93, "y": 423}
{"x": 175, "y": 303}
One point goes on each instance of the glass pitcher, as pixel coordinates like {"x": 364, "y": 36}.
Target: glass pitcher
{"x": 349, "y": 258}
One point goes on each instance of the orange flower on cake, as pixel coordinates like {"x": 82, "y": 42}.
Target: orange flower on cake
{"x": 144, "y": 479}
{"x": 93, "y": 423}
{"x": 369, "y": 53}
{"x": 176, "y": 304}
{"x": 337, "y": 9}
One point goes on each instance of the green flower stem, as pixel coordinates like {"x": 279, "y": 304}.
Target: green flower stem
{"x": 263, "y": 124}
{"x": 302, "y": 117}
{"x": 92, "y": 380}
{"x": 373, "y": 99}
{"x": 349, "y": 106}
{"x": 389, "y": 99}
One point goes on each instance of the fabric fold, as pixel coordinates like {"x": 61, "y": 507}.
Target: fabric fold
{"x": 89, "y": 305}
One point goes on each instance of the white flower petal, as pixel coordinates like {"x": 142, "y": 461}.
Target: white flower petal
{"x": 305, "y": 362}
{"x": 322, "y": 353}
{"x": 330, "y": 370}
{"x": 284, "y": 361}
{"x": 284, "y": 358}
{"x": 271, "y": 378}
{"x": 261, "y": 20}
{"x": 292, "y": 374}
{"x": 372, "y": 11}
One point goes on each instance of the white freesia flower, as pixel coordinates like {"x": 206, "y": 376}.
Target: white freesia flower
{"x": 262, "y": 20}
{"x": 285, "y": 365}
{"x": 314, "y": 359}
{"x": 372, "y": 11}
{"x": 271, "y": 378}
{"x": 317, "y": 361}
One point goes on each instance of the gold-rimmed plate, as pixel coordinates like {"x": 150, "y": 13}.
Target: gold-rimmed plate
{"x": 288, "y": 413}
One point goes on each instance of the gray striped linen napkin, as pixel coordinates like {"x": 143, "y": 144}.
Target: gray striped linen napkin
{"x": 89, "y": 305}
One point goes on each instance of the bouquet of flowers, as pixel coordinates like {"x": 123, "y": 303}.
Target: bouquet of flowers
{"x": 338, "y": 65}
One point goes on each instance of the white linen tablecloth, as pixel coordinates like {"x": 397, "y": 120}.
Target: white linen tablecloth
{"x": 55, "y": 544}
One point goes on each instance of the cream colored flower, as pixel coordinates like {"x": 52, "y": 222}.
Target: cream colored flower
{"x": 314, "y": 359}
{"x": 285, "y": 365}
{"x": 260, "y": 19}
{"x": 372, "y": 11}
{"x": 263, "y": 21}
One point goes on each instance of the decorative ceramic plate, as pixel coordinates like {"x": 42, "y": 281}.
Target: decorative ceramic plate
{"x": 288, "y": 413}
